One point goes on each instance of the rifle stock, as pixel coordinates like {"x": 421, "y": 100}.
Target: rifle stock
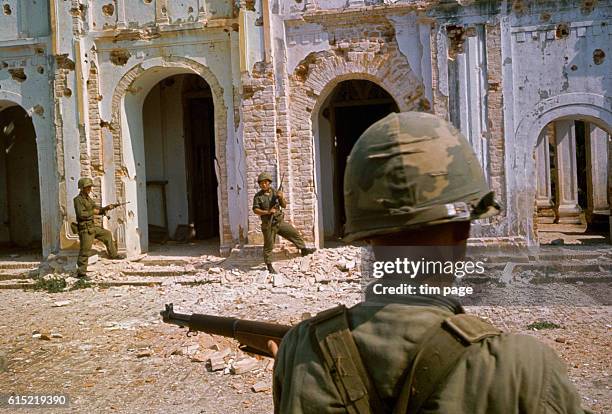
{"x": 252, "y": 335}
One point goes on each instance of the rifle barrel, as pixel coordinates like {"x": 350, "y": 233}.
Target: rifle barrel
{"x": 252, "y": 334}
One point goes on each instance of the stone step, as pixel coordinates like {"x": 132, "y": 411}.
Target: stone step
{"x": 19, "y": 274}
{"x": 17, "y": 284}
{"x": 30, "y": 284}
{"x": 165, "y": 261}
{"x": 581, "y": 267}
{"x": 163, "y": 272}
{"x": 19, "y": 265}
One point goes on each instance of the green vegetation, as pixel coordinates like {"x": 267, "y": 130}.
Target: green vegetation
{"x": 536, "y": 326}
{"x": 51, "y": 285}
{"x": 81, "y": 284}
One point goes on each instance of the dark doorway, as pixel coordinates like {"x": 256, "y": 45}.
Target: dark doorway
{"x": 581, "y": 164}
{"x": 353, "y": 107}
{"x": 179, "y": 144}
{"x": 20, "y": 221}
{"x": 201, "y": 157}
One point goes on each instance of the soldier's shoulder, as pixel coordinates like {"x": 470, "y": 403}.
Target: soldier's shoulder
{"x": 259, "y": 193}
{"x": 78, "y": 197}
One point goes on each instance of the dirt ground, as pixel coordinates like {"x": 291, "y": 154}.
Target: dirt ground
{"x": 108, "y": 351}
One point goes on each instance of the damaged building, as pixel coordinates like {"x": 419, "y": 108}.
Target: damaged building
{"x": 175, "y": 107}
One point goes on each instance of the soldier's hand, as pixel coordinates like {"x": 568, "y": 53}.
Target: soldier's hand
{"x": 272, "y": 348}
{"x": 280, "y": 194}
{"x": 272, "y": 210}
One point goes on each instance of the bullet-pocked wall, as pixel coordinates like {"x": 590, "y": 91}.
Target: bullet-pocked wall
{"x": 128, "y": 51}
{"x": 277, "y": 74}
{"x": 29, "y": 203}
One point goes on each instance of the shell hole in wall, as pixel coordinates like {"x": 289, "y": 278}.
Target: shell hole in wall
{"x": 599, "y": 56}
{"x": 108, "y": 9}
{"x": 7, "y": 9}
{"x": 563, "y": 30}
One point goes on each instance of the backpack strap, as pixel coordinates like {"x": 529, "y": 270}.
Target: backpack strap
{"x": 342, "y": 360}
{"x": 438, "y": 355}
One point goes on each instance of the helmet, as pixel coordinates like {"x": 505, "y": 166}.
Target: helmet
{"x": 264, "y": 176}
{"x": 85, "y": 182}
{"x": 411, "y": 170}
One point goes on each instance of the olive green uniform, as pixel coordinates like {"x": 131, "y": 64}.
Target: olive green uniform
{"x": 263, "y": 201}
{"x": 84, "y": 208}
{"x": 503, "y": 374}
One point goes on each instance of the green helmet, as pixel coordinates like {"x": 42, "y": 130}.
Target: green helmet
{"x": 85, "y": 182}
{"x": 411, "y": 170}
{"x": 264, "y": 176}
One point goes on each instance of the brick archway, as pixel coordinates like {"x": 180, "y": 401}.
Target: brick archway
{"x": 312, "y": 82}
{"x": 157, "y": 69}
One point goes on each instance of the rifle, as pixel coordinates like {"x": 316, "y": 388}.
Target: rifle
{"x": 276, "y": 202}
{"x": 252, "y": 335}
{"x": 113, "y": 206}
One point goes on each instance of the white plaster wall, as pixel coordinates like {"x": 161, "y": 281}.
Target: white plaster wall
{"x": 23, "y": 19}
{"x": 210, "y": 49}
{"x": 540, "y": 84}
{"x": 254, "y": 36}
{"x": 303, "y": 39}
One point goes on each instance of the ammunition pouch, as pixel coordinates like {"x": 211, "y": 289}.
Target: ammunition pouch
{"x": 74, "y": 228}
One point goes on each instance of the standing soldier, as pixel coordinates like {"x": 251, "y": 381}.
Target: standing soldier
{"x": 85, "y": 209}
{"x": 268, "y": 205}
{"x": 413, "y": 181}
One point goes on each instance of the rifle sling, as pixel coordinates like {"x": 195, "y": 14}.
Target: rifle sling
{"x": 342, "y": 360}
{"x": 438, "y": 355}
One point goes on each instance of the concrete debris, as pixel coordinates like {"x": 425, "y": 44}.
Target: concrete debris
{"x": 216, "y": 361}
{"x": 56, "y": 335}
{"x": 261, "y": 386}
{"x": 279, "y": 280}
{"x": 215, "y": 270}
{"x": 244, "y": 365}
{"x": 93, "y": 259}
{"x": 60, "y": 303}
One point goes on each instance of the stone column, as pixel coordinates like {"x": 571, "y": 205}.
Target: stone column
{"x": 597, "y": 170}
{"x": 568, "y": 209}
{"x": 544, "y": 201}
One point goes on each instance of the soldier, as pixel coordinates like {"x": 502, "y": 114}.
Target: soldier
{"x": 85, "y": 209}
{"x": 412, "y": 179}
{"x": 268, "y": 205}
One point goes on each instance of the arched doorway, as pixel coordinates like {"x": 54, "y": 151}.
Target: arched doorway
{"x": 572, "y": 189}
{"x": 179, "y": 148}
{"x": 20, "y": 214}
{"x": 348, "y": 111}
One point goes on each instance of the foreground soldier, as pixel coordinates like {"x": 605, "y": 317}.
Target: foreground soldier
{"x": 412, "y": 179}
{"x": 85, "y": 209}
{"x": 267, "y": 204}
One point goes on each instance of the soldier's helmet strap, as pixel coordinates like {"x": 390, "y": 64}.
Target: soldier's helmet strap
{"x": 342, "y": 360}
{"x": 437, "y": 356}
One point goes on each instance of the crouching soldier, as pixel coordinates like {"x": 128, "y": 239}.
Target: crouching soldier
{"x": 85, "y": 209}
